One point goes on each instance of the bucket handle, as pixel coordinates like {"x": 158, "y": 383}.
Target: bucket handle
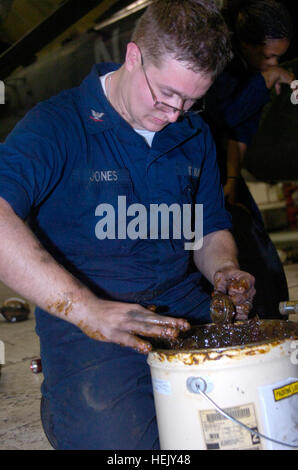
{"x": 199, "y": 385}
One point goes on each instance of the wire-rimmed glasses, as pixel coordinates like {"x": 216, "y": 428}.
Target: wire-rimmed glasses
{"x": 161, "y": 105}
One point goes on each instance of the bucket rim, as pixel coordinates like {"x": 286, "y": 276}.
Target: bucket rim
{"x": 223, "y": 349}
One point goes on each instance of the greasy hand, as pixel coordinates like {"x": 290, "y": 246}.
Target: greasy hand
{"x": 239, "y": 286}
{"x": 121, "y": 323}
{"x": 276, "y": 76}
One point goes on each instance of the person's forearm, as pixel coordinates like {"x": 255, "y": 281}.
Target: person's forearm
{"x": 235, "y": 155}
{"x": 219, "y": 251}
{"x": 27, "y": 268}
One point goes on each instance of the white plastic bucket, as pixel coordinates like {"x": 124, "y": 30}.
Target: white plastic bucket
{"x": 255, "y": 384}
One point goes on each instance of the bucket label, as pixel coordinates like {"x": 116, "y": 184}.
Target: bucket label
{"x": 220, "y": 433}
{"x": 162, "y": 386}
{"x": 279, "y": 402}
{"x": 286, "y": 391}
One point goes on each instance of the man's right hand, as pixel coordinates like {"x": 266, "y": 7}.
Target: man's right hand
{"x": 276, "y": 76}
{"x": 123, "y": 323}
{"x": 27, "y": 268}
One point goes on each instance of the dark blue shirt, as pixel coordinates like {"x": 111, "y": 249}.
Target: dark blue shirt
{"x": 235, "y": 102}
{"x": 74, "y": 152}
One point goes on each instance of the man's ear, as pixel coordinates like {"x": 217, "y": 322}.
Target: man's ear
{"x": 133, "y": 56}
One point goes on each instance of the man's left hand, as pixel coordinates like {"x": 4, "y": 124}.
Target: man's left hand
{"x": 240, "y": 286}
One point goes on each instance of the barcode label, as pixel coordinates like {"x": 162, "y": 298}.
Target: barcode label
{"x": 237, "y": 413}
{"x": 222, "y": 433}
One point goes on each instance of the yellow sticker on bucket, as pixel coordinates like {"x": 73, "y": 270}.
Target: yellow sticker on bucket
{"x": 286, "y": 391}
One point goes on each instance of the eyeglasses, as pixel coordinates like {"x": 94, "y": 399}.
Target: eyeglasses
{"x": 165, "y": 106}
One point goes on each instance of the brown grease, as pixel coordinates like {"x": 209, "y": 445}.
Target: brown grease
{"x": 222, "y": 308}
{"x": 61, "y": 306}
{"x": 224, "y": 335}
{"x": 143, "y": 348}
{"x": 93, "y": 334}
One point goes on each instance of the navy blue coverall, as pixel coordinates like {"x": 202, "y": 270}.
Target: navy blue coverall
{"x": 66, "y": 157}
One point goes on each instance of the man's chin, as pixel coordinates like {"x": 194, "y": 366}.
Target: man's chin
{"x": 156, "y": 124}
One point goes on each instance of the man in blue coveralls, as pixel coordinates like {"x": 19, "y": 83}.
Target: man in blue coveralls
{"x": 83, "y": 168}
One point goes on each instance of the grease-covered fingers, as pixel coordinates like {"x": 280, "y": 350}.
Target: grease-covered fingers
{"x": 149, "y": 326}
{"x": 149, "y": 330}
{"x": 145, "y": 316}
{"x": 243, "y": 309}
{"x": 124, "y": 324}
{"x": 244, "y": 286}
{"x": 243, "y": 301}
{"x": 240, "y": 287}
{"x": 132, "y": 341}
